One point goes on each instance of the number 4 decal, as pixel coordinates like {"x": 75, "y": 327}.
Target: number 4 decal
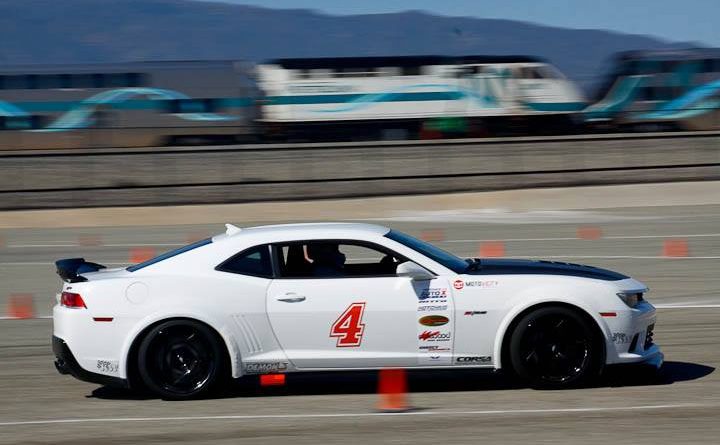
{"x": 349, "y": 327}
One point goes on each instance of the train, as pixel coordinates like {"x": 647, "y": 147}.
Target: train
{"x": 665, "y": 90}
{"x": 146, "y": 104}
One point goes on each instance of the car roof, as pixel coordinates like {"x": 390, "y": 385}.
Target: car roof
{"x": 281, "y": 232}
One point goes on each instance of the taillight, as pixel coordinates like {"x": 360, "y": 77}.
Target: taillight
{"x": 69, "y": 299}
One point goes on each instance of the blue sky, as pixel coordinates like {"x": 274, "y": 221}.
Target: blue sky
{"x": 679, "y": 20}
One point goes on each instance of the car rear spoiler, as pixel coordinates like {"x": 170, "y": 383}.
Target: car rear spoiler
{"x": 70, "y": 269}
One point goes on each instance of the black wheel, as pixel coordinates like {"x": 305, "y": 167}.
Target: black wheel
{"x": 555, "y": 347}
{"x": 181, "y": 359}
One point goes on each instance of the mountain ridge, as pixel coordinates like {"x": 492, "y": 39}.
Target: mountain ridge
{"x": 80, "y": 31}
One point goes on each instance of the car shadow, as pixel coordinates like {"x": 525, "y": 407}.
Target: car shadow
{"x": 671, "y": 372}
{"x": 441, "y": 380}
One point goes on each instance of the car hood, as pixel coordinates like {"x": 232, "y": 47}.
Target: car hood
{"x": 542, "y": 267}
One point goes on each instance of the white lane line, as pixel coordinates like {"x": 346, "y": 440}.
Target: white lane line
{"x": 355, "y": 415}
{"x": 569, "y": 238}
{"x": 609, "y": 257}
{"x": 660, "y": 257}
{"x": 145, "y": 245}
{"x": 45, "y": 263}
{"x": 31, "y": 246}
{"x": 32, "y": 318}
{"x": 27, "y": 246}
{"x": 574, "y": 238}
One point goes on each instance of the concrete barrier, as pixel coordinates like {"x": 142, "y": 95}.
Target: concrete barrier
{"x": 258, "y": 173}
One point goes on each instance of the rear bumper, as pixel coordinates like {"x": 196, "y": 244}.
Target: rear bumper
{"x": 66, "y": 363}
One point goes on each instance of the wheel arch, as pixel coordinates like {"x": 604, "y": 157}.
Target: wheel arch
{"x": 508, "y": 325}
{"x": 131, "y": 349}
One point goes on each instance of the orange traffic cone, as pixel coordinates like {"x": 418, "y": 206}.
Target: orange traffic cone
{"x": 432, "y": 235}
{"x": 392, "y": 389}
{"x": 676, "y": 248}
{"x": 140, "y": 254}
{"x": 20, "y": 306}
{"x": 589, "y": 232}
{"x": 491, "y": 249}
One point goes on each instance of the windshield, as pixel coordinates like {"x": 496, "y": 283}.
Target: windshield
{"x": 170, "y": 254}
{"x": 447, "y": 259}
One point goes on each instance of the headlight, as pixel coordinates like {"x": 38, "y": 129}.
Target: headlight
{"x": 632, "y": 297}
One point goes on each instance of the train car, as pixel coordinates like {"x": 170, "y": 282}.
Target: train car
{"x": 406, "y": 97}
{"x": 660, "y": 91}
{"x": 126, "y": 105}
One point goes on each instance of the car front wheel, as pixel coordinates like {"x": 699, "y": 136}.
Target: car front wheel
{"x": 555, "y": 348}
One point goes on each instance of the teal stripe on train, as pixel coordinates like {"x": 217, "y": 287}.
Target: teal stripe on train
{"x": 133, "y": 104}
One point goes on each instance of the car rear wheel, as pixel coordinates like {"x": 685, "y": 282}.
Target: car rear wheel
{"x": 555, "y": 348}
{"x": 180, "y": 359}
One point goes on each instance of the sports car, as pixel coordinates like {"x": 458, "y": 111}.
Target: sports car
{"x": 341, "y": 296}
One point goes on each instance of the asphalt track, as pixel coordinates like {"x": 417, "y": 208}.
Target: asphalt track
{"x": 681, "y": 405}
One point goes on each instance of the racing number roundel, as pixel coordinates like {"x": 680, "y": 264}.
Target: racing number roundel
{"x": 349, "y": 328}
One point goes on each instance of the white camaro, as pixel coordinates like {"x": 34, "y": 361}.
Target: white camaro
{"x": 337, "y": 296}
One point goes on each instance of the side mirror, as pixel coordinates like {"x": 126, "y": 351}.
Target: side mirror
{"x": 414, "y": 271}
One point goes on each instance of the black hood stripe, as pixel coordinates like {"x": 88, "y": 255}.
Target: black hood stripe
{"x": 542, "y": 267}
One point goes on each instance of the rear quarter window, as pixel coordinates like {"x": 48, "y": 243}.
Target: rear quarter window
{"x": 254, "y": 261}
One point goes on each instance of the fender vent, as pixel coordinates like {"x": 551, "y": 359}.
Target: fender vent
{"x": 249, "y": 337}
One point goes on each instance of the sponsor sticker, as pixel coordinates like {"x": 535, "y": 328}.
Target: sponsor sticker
{"x": 437, "y": 307}
{"x": 620, "y": 338}
{"x": 265, "y": 367}
{"x": 482, "y": 284}
{"x": 473, "y": 360}
{"x": 438, "y": 294}
{"x": 108, "y": 366}
{"x": 471, "y": 313}
{"x": 458, "y": 284}
{"x": 433, "y": 320}
{"x": 433, "y": 348}
{"x": 434, "y": 336}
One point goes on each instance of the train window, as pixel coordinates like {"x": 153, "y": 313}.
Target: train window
{"x": 21, "y": 122}
{"x": 115, "y": 80}
{"x": 530, "y": 72}
{"x": 82, "y": 81}
{"x": 180, "y": 106}
{"x": 17, "y": 82}
{"x": 52, "y": 81}
{"x": 668, "y": 66}
{"x": 135, "y": 80}
{"x": 355, "y": 72}
{"x": 549, "y": 72}
{"x": 411, "y": 71}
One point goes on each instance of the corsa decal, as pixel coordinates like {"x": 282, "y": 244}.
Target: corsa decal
{"x": 349, "y": 328}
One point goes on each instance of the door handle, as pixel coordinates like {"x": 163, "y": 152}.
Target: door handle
{"x": 291, "y": 298}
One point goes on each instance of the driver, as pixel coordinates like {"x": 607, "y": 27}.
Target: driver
{"x": 327, "y": 260}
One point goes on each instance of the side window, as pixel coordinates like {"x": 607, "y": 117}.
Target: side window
{"x": 335, "y": 259}
{"x": 254, "y": 261}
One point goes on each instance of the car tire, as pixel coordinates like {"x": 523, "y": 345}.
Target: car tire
{"x": 556, "y": 348}
{"x": 181, "y": 359}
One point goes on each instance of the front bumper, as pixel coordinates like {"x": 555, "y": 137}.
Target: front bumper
{"x": 66, "y": 363}
{"x": 631, "y": 338}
